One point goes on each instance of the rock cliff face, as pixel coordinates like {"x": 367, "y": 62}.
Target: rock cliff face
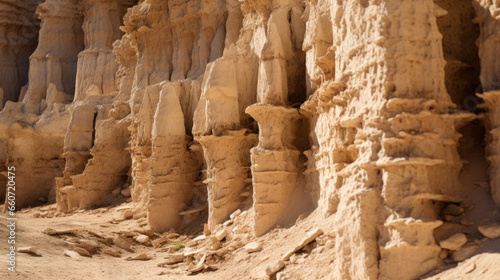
{"x": 353, "y": 109}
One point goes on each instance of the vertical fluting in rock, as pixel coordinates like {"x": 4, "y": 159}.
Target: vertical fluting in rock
{"x": 395, "y": 139}
{"x": 182, "y": 86}
{"x": 97, "y": 65}
{"x": 320, "y": 62}
{"x": 275, "y": 161}
{"x": 54, "y": 60}
{"x": 95, "y": 146}
{"x": 151, "y": 38}
{"x": 227, "y": 157}
{"x": 41, "y": 120}
{"x": 77, "y": 144}
{"x": 173, "y": 169}
{"x": 96, "y": 162}
{"x": 127, "y": 60}
{"x": 226, "y": 147}
{"x": 18, "y": 39}
{"x": 318, "y": 39}
{"x": 488, "y": 18}
{"x": 275, "y": 164}
{"x": 172, "y": 48}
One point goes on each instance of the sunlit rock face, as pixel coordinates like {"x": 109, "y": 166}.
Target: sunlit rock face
{"x": 353, "y": 109}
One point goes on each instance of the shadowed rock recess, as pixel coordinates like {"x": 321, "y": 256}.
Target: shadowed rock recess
{"x": 363, "y": 112}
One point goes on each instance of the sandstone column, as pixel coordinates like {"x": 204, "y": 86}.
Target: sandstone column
{"x": 274, "y": 164}
{"x": 386, "y": 132}
{"x": 96, "y": 159}
{"x": 97, "y": 67}
{"x": 60, "y": 41}
{"x": 226, "y": 150}
{"x": 150, "y": 40}
{"x": 227, "y": 172}
{"x": 418, "y": 156}
{"x": 275, "y": 160}
{"x": 174, "y": 169}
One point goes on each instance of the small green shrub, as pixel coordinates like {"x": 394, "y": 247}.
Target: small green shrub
{"x": 178, "y": 245}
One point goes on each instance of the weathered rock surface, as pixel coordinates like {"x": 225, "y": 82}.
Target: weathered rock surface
{"x": 197, "y": 110}
{"x": 454, "y": 242}
{"x": 491, "y": 231}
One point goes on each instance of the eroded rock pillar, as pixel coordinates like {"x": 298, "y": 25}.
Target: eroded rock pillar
{"x": 275, "y": 160}
{"x": 275, "y": 164}
{"x": 226, "y": 148}
{"x": 418, "y": 159}
{"x": 386, "y": 138}
{"x": 97, "y": 67}
{"x": 227, "y": 172}
{"x": 173, "y": 168}
{"x": 54, "y": 60}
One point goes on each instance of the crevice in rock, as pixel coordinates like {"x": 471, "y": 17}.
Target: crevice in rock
{"x": 19, "y": 28}
{"x": 93, "y": 131}
{"x": 455, "y": 21}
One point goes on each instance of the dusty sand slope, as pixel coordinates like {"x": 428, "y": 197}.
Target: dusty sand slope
{"x": 312, "y": 262}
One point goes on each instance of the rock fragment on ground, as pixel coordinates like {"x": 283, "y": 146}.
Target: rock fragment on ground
{"x": 139, "y": 257}
{"x": 464, "y": 253}
{"x": 122, "y": 242}
{"x": 81, "y": 251}
{"x": 219, "y": 235}
{"x": 252, "y": 247}
{"x": 273, "y": 269}
{"x": 454, "y": 242}
{"x": 142, "y": 238}
{"x": 72, "y": 254}
{"x": 112, "y": 252}
{"x": 311, "y": 235}
{"x": 491, "y": 231}
{"x": 28, "y": 250}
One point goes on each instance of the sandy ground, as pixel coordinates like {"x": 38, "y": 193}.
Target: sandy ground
{"x": 312, "y": 262}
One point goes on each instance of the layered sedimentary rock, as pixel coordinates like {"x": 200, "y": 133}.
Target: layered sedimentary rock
{"x": 97, "y": 65}
{"x": 488, "y": 18}
{"x": 36, "y": 126}
{"x": 172, "y": 55}
{"x": 171, "y": 188}
{"x": 394, "y": 145}
{"x": 275, "y": 161}
{"x": 19, "y": 33}
{"x": 97, "y": 136}
{"x": 206, "y": 107}
{"x": 54, "y": 60}
{"x": 275, "y": 164}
